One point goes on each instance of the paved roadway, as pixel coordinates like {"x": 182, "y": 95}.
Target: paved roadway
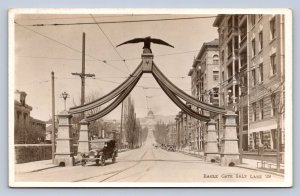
{"x": 148, "y": 164}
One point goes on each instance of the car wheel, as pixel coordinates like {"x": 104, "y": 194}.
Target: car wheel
{"x": 113, "y": 159}
{"x": 83, "y": 163}
{"x": 97, "y": 162}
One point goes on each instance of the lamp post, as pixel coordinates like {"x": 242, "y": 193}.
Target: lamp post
{"x": 65, "y": 95}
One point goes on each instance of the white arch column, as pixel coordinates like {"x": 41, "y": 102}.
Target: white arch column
{"x": 211, "y": 150}
{"x": 83, "y": 142}
{"x": 63, "y": 154}
{"x": 230, "y": 150}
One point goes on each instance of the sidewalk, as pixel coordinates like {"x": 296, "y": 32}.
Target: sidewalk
{"x": 246, "y": 164}
{"x": 41, "y": 165}
{"x": 256, "y": 165}
{"x": 34, "y": 166}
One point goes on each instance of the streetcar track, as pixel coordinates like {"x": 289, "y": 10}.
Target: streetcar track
{"x": 112, "y": 172}
{"x": 137, "y": 173}
{"x": 117, "y": 173}
{"x": 149, "y": 168}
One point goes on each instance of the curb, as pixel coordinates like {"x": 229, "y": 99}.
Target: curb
{"x": 239, "y": 166}
{"x": 37, "y": 170}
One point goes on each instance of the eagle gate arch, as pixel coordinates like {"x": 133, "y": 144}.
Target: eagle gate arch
{"x": 229, "y": 152}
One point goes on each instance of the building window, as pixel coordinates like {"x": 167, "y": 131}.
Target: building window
{"x": 252, "y": 19}
{"x": 216, "y": 92}
{"x": 245, "y": 115}
{"x": 243, "y": 58}
{"x": 229, "y": 26}
{"x": 243, "y": 30}
{"x": 25, "y": 116}
{"x": 273, "y": 102}
{"x": 253, "y": 77}
{"x": 229, "y": 49}
{"x": 261, "y": 109}
{"x": 223, "y": 76}
{"x": 253, "y": 112}
{"x": 215, "y": 59}
{"x": 222, "y": 57}
{"x": 260, "y": 36}
{"x": 253, "y": 48}
{"x": 216, "y": 75}
{"x": 273, "y": 64}
{"x": 272, "y": 28}
{"x": 229, "y": 71}
{"x": 261, "y": 72}
{"x": 18, "y": 115}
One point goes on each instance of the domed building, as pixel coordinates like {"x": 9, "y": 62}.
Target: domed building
{"x": 150, "y": 115}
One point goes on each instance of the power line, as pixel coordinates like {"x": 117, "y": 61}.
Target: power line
{"x": 121, "y": 21}
{"x": 105, "y": 61}
{"x": 65, "y": 45}
{"x": 111, "y": 43}
{"x": 87, "y": 17}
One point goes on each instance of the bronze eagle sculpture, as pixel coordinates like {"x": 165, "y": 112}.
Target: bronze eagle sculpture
{"x": 147, "y": 42}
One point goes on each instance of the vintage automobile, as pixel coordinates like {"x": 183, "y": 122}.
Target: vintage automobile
{"x": 101, "y": 150}
{"x": 171, "y": 148}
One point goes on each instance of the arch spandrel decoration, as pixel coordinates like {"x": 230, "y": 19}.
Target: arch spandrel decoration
{"x": 122, "y": 91}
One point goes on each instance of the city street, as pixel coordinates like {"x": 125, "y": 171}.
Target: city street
{"x": 148, "y": 164}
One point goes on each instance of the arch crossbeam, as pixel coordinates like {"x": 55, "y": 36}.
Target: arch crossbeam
{"x": 115, "y": 103}
{"x": 133, "y": 78}
{"x": 122, "y": 91}
{"x": 161, "y": 77}
{"x": 180, "y": 104}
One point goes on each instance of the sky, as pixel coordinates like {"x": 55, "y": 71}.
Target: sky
{"x": 42, "y": 49}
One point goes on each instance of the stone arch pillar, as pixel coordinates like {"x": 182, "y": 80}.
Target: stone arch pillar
{"x": 63, "y": 154}
{"x": 230, "y": 150}
{"x": 211, "y": 150}
{"x": 83, "y": 141}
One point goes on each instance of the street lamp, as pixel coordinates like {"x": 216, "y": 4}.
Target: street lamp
{"x": 65, "y": 95}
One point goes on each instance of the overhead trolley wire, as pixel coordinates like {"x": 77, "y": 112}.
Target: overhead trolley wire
{"x": 87, "y": 17}
{"x": 69, "y": 47}
{"x": 108, "y": 39}
{"x": 121, "y": 21}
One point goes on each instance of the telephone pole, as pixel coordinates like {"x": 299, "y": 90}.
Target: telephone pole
{"x": 53, "y": 117}
{"x": 121, "y": 126}
{"x": 83, "y": 75}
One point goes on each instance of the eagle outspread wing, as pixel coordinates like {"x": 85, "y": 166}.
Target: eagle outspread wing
{"x": 133, "y": 41}
{"x": 159, "y": 41}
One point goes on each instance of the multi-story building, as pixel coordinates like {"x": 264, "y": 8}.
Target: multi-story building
{"x": 251, "y": 52}
{"x": 171, "y": 136}
{"x": 204, "y": 86}
{"x": 27, "y": 129}
{"x": 266, "y": 80}
{"x": 181, "y": 129}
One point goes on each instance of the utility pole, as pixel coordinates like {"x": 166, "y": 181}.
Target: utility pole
{"x": 53, "y": 117}
{"x": 83, "y": 75}
{"x": 121, "y": 126}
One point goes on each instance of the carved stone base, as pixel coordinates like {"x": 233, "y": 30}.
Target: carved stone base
{"x": 62, "y": 160}
{"x": 212, "y": 157}
{"x": 230, "y": 160}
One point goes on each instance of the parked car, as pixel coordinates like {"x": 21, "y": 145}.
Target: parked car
{"x": 171, "y": 148}
{"x": 101, "y": 150}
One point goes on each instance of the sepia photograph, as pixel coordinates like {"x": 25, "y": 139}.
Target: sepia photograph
{"x": 150, "y": 98}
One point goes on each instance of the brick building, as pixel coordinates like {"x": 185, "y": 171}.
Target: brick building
{"x": 171, "y": 136}
{"x": 251, "y": 52}
{"x": 27, "y": 130}
{"x": 205, "y": 87}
